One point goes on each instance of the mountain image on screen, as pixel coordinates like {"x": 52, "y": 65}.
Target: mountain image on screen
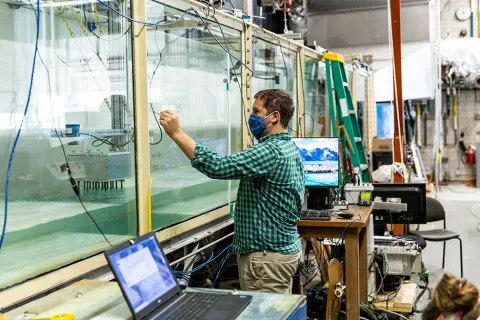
{"x": 320, "y": 160}
{"x": 318, "y": 154}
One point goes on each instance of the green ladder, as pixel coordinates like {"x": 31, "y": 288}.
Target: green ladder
{"x": 344, "y": 121}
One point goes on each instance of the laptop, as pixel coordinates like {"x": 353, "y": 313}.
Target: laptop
{"x": 152, "y": 292}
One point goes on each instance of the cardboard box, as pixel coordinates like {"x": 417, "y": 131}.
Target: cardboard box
{"x": 382, "y": 145}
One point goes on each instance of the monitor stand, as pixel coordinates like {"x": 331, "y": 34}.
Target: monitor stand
{"x": 319, "y": 198}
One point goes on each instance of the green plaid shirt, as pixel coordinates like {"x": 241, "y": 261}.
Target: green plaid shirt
{"x": 270, "y": 195}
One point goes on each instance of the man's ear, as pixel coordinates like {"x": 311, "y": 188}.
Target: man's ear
{"x": 276, "y": 117}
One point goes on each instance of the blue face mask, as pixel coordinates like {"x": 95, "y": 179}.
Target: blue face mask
{"x": 256, "y": 125}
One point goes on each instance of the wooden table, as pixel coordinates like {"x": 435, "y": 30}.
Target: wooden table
{"x": 356, "y": 255}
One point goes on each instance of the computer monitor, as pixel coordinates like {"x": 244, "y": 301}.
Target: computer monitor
{"x": 320, "y": 160}
{"x": 413, "y": 194}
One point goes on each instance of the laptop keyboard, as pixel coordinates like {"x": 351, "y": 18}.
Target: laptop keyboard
{"x": 195, "y": 305}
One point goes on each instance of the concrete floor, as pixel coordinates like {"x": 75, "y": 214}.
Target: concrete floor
{"x": 457, "y": 201}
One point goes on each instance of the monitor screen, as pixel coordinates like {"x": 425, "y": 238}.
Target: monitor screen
{"x": 320, "y": 160}
{"x": 143, "y": 272}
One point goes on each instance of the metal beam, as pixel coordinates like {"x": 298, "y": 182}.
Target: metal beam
{"x": 140, "y": 93}
{"x": 398, "y": 141}
{"x": 247, "y": 99}
{"x": 301, "y": 92}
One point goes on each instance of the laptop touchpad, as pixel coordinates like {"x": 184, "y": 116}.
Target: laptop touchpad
{"x": 229, "y": 307}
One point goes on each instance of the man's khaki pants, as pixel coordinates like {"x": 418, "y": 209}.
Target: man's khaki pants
{"x": 267, "y": 271}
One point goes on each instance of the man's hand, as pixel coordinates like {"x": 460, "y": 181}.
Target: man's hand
{"x": 170, "y": 123}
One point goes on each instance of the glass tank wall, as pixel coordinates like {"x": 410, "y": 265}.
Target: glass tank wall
{"x": 80, "y": 116}
{"x": 275, "y": 67}
{"x": 316, "y": 99}
{"x": 190, "y": 74}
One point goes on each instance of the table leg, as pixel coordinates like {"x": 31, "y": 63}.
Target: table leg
{"x": 352, "y": 281}
{"x": 363, "y": 264}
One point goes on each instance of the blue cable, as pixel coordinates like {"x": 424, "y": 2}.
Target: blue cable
{"x": 158, "y": 24}
{"x": 220, "y": 269}
{"x": 12, "y": 152}
{"x": 198, "y": 267}
{"x": 203, "y": 264}
{"x": 355, "y": 204}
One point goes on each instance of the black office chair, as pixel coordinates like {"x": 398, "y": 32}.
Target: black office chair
{"x": 435, "y": 212}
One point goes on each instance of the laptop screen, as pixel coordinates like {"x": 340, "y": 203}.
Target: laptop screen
{"x": 143, "y": 272}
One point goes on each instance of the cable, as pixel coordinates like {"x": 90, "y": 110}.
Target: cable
{"x": 106, "y": 141}
{"x": 192, "y": 262}
{"x": 176, "y": 20}
{"x": 331, "y": 253}
{"x": 286, "y": 77}
{"x": 102, "y": 38}
{"x": 63, "y": 61}
{"x": 244, "y": 107}
{"x": 420, "y": 295}
{"x": 218, "y": 42}
{"x": 66, "y": 166}
{"x": 338, "y": 243}
{"x": 150, "y": 87}
{"x": 220, "y": 269}
{"x": 147, "y": 23}
{"x": 12, "y": 152}
{"x": 311, "y": 117}
{"x": 355, "y": 204}
{"x": 203, "y": 264}
{"x": 105, "y": 39}
{"x": 173, "y": 22}
{"x": 224, "y": 37}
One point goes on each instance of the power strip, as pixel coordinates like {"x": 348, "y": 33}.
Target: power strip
{"x": 361, "y": 187}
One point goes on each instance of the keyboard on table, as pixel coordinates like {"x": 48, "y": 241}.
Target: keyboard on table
{"x": 325, "y": 214}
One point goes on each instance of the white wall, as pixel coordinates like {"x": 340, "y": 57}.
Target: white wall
{"x": 417, "y": 77}
{"x": 468, "y": 106}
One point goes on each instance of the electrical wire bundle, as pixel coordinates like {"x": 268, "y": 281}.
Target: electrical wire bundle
{"x": 185, "y": 274}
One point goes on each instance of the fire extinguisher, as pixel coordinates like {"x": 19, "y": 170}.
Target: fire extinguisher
{"x": 469, "y": 155}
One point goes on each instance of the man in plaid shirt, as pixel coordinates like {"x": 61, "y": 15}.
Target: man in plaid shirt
{"x": 270, "y": 195}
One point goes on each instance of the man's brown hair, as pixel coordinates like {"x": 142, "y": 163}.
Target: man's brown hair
{"x": 278, "y": 100}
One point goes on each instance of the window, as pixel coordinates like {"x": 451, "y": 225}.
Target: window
{"x": 192, "y": 75}
{"x": 81, "y": 102}
{"x": 275, "y": 67}
{"x": 316, "y": 99}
